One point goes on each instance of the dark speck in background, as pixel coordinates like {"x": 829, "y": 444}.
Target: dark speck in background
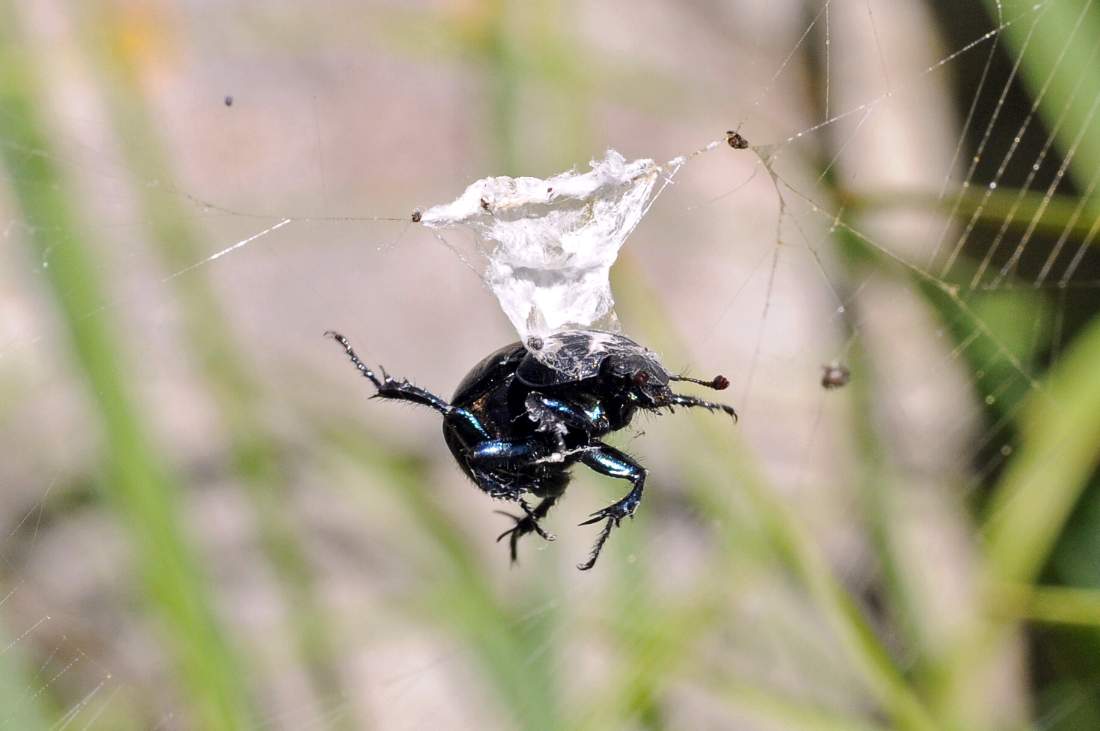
{"x": 228, "y": 101}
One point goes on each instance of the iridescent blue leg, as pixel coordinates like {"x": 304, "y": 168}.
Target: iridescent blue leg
{"x": 496, "y": 466}
{"x": 553, "y": 414}
{"x": 611, "y": 462}
{"x": 503, "y": 454}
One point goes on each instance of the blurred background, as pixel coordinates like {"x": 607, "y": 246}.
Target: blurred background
{"x": 205, "y": 524}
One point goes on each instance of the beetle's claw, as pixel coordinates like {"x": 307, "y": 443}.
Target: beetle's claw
{"x": 614, "y": 513}
{"x": 601, "y": 515}
{"x": 523, "y": 525}
{"x": 511, "y": 530}
{"x": 598, "y": 546}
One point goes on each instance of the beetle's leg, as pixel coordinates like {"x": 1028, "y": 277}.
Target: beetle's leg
{"x": 556, "y": 416}
{"x": 498, "y": 464}
{"x": 505, "y": 455}
{"x": 611, "y": 462}
{"x": 497, "y": 485}
{"x": 529, "y": 523}
{"x": 682, "y": 400}
{"x": 388, "y": 387}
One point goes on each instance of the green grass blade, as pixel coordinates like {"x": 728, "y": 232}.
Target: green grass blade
{"x": 781, "y": 712}
{"x": 20, "y": 708}
{"x": 1051, "y": 605}
{"x": 139, "y": 487}
{"x": 1055, "y": 42}
{"x": 1060, "y": 433}
{"x": 1020, "y": 209}
{"x": 789, "y": 538}
{"x": 253, "y": 448}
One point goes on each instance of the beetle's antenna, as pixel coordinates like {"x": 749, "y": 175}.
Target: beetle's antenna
{"x": 718, "y": 383}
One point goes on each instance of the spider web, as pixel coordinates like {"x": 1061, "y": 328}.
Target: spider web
{"x": 942, "y": 250}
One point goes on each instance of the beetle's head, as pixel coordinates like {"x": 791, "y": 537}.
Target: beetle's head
{"x": 639, "y": 377}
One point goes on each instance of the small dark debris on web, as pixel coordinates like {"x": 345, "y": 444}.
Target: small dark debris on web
{"x": 736, "y": 141}
{"x": 417, "y": 214}
{"x": 834, "y": 376}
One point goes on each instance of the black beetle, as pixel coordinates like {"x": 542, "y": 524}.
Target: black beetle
{"x": 517, "y": 425}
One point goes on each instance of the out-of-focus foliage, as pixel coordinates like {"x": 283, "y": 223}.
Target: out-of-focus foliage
{"x": 229, "y": 535}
